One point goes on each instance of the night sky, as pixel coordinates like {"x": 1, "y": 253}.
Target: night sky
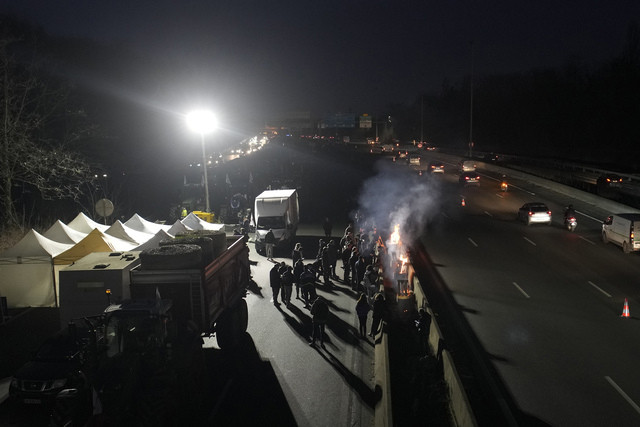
{"x": 334, "y": 55}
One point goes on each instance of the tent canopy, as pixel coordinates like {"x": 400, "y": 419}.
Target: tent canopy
{"x": 60, "y": 232}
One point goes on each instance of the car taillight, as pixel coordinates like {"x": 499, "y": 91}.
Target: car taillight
{"x": 549, "y": 213}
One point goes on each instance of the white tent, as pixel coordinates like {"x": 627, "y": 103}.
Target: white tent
{"x": 140, "y": 224}
{"x": 154, "y": 242}
{"x": 195, "y": 223}
{"x": 121, "y": 231}
{"x": 178, "y": 228}
{"x": 60, "y": 232}
{"x": 27, "y": 276}
{"x": 85, "y": 224}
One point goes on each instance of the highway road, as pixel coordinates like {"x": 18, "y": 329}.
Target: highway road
{"x": 545, "y": 303}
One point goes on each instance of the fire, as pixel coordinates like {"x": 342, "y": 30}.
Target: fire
{"x": 395, "y": 236}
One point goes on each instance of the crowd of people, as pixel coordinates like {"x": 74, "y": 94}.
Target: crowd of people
{"x": 359, "y": 253}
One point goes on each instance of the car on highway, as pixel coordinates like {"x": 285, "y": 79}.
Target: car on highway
{"x": 414, "y": 159}
{"x": 467, "y": 166}
{"x": 534, "y": 213}
{"x": 375, "y": 149}
{"x": 609, "y": 180}
{"x": 436, "y": 167}
{"x": 387, "y": 148}
{"x": 469, "y": 178}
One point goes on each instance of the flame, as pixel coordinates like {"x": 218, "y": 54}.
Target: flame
{"x": 395, "y": 236}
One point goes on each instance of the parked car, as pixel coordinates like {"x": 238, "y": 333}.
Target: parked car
{"x": 436, "y": 167}
{"x": 534, "y": 213}
{"x": 57, "y": 365}
{"x": 469, "y": 178}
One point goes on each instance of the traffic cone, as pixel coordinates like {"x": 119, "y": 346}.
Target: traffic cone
{"x": 625, "y": 309}
{"x": 463, "y": 203}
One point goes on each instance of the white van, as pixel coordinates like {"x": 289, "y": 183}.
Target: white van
{"x": 620, "y": 229}
{"x": 467, "y": 166}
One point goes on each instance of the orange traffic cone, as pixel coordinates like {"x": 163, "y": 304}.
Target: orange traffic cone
{"x": 463, "y": 203}
{"x": 625, "y": 309}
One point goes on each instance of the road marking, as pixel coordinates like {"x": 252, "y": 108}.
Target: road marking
{"x": 472, "y": 242}
{"x": 587, "y": 240}
{"x": 596, "y": 286}
{"x": 500, "y": 195}
{"x": 623, "y": 394}
{"x": 488, "y": 213}
{"x": 589, "y": 216}
{"x": 521, "y": 290}
{"x": 529, "y": 240}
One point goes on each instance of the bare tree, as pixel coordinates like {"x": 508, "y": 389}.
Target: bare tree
{"x": 39, "y": 130}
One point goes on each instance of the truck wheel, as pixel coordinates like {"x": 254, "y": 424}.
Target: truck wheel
{"x": 625, "y": 247}
{"x": 604, "y": 237}
{"x": 242, "y": 317}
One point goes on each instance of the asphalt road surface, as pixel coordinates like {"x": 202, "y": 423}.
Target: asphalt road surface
{"x": 545, "y": 303}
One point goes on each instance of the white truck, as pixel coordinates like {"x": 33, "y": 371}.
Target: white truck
{"x": 620, "y": 229}
{"x": 276, "y": 210}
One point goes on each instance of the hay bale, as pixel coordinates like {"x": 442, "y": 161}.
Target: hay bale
{"x": 171, "y": 257}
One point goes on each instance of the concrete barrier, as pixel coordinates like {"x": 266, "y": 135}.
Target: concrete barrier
{"x": 383, "y": 410}
{"x": 458, "y": 400}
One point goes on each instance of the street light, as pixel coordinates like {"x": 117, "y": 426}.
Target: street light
{"x": 203, "y": 121}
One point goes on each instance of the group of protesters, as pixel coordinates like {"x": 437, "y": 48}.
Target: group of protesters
{"x": 359, "y": 252}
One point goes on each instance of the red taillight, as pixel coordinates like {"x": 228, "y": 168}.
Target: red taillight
{"x": 549, "y": 213}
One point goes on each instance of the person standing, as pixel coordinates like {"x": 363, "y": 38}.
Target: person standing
{"x": 352, "y": 266}
{"x": 298, "y": 269}
{"x": 274, "y": 281}
{"x": 332, "y": 252}
{"x": 320, "y": 313}
{"x": 327, "y": 227}
{"x": 296, "y": 254}
{"x": 286, "y": 281}
{"x": 308, "y": 285}
{"x": 326, "y": 266}
{"x": 269, "y": 241}
{"x": 362, "y": 310}
{"x": 378, "y": 314}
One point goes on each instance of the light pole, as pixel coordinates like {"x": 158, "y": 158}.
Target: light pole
{"x": 203, "y": 121}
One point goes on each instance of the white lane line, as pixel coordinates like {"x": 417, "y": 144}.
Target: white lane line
{"x": 589, "y": 216}
{"x": 500, "y": 195}
{"x": 623, "y": 394}
{"x": 488, "y": 213}
{"x": 472, "y": 242}
{"x": 601, "y": 290}
{"x": 587, "y": 240}
{"x": 521, "y": 290}
{"x": 529, "y": 240}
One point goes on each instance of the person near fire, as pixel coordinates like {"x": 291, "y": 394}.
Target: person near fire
{"x": 362, "y": 310}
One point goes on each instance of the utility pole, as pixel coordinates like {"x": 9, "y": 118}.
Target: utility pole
{"x": 471, "y": 107}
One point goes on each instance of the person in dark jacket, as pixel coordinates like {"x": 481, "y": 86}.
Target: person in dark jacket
{"x": 286, "y": 281}
{"x": 326, "y": 226}
{"x": 362, "y": 310}
{"x": 360, "y": 269}
{"x": 298, "y": 268}
{"x": 332, "y": 252}
{"x": 378, "y": 314}
{"x": 296, "y": 254}
{"x": 308, "y": 285}
{"x": 274, "y": 279}
{"x": 269, "y": 242}
{"x": 352, "y": 266}
{"x": 320, "y": 313}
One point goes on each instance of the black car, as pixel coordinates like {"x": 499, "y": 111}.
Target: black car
{"x": 469, "y": 178}
{"x": 57, "y": 365}
{"x": 609, "y": 180}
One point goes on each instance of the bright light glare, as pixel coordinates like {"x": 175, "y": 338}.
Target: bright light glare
{"x": 201, "y": 121}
